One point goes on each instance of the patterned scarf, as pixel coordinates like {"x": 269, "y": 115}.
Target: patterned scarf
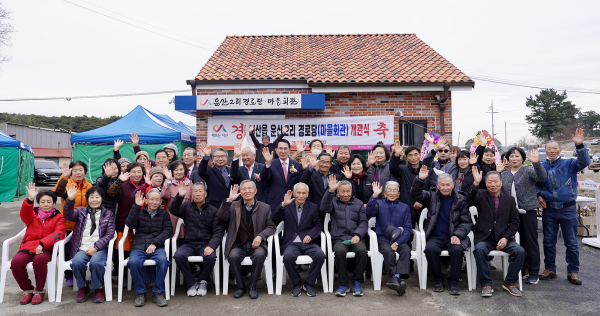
{"x": 462, "y": 173}
{"x": 42, "y": 216}
{"x": 357, "y": 176}
{"x": 92, "y": 214}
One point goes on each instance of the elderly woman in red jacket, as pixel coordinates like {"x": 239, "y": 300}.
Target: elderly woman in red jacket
{"x": 45, "y": 227}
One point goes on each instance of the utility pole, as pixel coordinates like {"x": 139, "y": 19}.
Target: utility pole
{"x": 492, "y": 111}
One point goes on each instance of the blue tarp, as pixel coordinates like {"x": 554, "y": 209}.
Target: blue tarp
{"x": 7, "y": 141}
{"x": 150, "y": 127}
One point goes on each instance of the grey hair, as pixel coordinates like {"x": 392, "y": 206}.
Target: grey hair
{"x": 246, "y": 181}
{"x": 553, "y": 141}
{"x": 155, "y": 190}
{"x": 387, "y": 184}
{"x": 302, "y": 183}
{"x": 252, "y": 150}
{"x": 192, "y": 149}
{"x": 344, "y": 147}
{"x": 200, "y": 183}
{"x": 344, "y": 182}
{"x": 492, "y": 173}
{"x": 443, "y": 176}
{"x": 212, "y": 154}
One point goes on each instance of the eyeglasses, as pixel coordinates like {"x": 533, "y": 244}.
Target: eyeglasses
{"x": 444, "y": 151}
{"x": 220, "y": 156}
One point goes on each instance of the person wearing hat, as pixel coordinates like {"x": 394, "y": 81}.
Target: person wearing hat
{"x": 393, "y": 228}
{"x": 123, "y": 163}
{"x": 171, "y": 151}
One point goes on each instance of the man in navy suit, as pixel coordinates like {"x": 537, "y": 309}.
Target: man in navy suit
{"x": 218, "y": 179}
{"x": 188, "y": 157}
{"x": 302, "y": 227}
{"x": 251, "y": 170}
{"x": 285, "y": 173}
{"x": 316, "y": 179}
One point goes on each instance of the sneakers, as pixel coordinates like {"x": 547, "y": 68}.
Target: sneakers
{"x": 342, "y": 290}
{"x": 487, "y": 291}
{"x": 69, "y": 282}
{"x": 201, "y": 288}
{"x": 573, "y": 277}
{"x": 357, "y": 289}
{"x": 159, "y": 299}
{"x": 438, "y": 286}
{"x": 27, "y": 296}
{"x": 512, "y": 289}
{"x": 492, "y": 265}
{"x": 98, "y": 295}
{"x": 454, "y": 289}
{"x": 140, "y": 300}
{"x": 309, "y": 289}
{"x": 193, "y": 290}
{"x": 82, "y": 294}
{"x": 547, "y": 275}
{"x": 532, "y": 279}
{"x": 296, "y": 290}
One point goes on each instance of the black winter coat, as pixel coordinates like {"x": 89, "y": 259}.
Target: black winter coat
{"x": 348, "y": 219}
{"x": 148, "y": 230}
{"x": 406, "y": 176}
{"x": 109, "y": 202}
{"x": 202, "y": 226}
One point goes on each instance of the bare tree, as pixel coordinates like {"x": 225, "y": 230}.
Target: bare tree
{"x": 6, "y": 30}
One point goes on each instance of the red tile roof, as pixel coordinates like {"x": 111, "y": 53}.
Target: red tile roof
{"x": 330, "y": 58}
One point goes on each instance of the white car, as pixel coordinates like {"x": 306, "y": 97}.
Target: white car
{"x": 596, "y": 157}
{"x": 594, "y": 142}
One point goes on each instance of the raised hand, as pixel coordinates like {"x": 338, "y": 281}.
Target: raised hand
{"x": 482, "y": 139}
{"x": 287, "y": 199}
{"x": 147, "y": 165}
{"x": 398, "y": 149}
{"x": 108, "y": 169}
{"x": 477, "y": 175}
{"x": 205, "y": 149}
{"x": 66, "y": 171}
{"x": 304, "y": 161}
{"x": 333, "y": 183}
{"x": 473, "y": 159}
{"x": 237, "y": 150}
{"x": 499, "y": 166}
{"x": 423, "y": 172}
{"x": 441, "y": 143}
{"x": 284, "y": 130}
{"x": 168, "y": 173}
{"x": 578, "y": 137}
{"x": 330, "y": 150}
{"x": 429, "y": 138}
{"x": 347, "y": 172}
{"x": 147, "y": 179}
{"x": 71, "y": 191}
{"x": 251, "y": 128}
{"x": 135, "y": 140}
{"x": 534, "y": 156}
{"x": 370, "y": 158}
{"x": 118, "y": 144}
{"x": 268, "y": 156}
{"x": 182, "y": 189}
{"x": 312, "y": 160}
{"x": 32, "y": 191}
{"x": 300, "y": 146}
{"x": 376, "y": 189}
{"x": 124, "y": 176}
{"x": 233, "y": 193}
{"x": 139, "y": 198}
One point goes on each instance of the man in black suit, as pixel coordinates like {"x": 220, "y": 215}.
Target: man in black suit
{"x": 302, "y": 227}
{"x": 218, "y": 179}
{"x": 495, "y": 229}
{"x": 285, "y": 173}
{"x": 266, "y": 143}
{"x": 189, "y": 157}
{"x": 316, "y": 179}
{"x": 251, "y": 170}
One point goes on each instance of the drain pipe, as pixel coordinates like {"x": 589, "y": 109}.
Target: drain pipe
{"x": 442, "y": 104}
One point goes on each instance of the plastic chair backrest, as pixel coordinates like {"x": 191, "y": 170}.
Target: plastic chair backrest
{"x": 422, "y": 219}
{"x": 326, "y": 223}
{"x": 473, "y": 211}
{"x": 372, "y": 222}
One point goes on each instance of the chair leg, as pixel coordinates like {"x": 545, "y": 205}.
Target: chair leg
{"x": 505, "y": 265}
{"x": 167, "y": 285}
{"x": 217, "y": 273}
{"x": 425, "y": 265}
{"x": 324, "y": 277}
{"x": 173, "y": 276}
{"x": 269, "y": 274}
{"x": 3, "y": 281}
{"x": 225, "y": 276}
{"x": 120, "y": 283}
{"x": 51, "y": 281}
{"x": 468, "y": 261}
{"x": 331, "y": 264}
{"x": 59, "y": 283}
{"x": 279, "y": 278}
{"x": 108, "y": 281}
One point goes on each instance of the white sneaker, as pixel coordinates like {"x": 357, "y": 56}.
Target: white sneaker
{"x": 202, "y": 288}
{"x": 192, "y": 290}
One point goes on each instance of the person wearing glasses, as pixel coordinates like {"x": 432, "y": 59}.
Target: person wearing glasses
{"x": 285, "y": 173}
{"x": 218, "y": 179}
{"x": 316, "y": 173}
{"x": 442, "y": 150}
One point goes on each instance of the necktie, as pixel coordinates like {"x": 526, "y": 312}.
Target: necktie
{"x": 226, "y": 177}
{"x": 285, "y": 171}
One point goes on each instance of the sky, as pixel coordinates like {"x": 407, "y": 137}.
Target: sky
{"x": 62, "y": 49}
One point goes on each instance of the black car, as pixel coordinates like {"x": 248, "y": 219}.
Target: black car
{"x": 46, "y": 171}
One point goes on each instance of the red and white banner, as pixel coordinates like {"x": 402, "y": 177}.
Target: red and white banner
{"x": 358, "y": 132}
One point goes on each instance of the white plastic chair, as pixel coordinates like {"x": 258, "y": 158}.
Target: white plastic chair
{"x": 50, "y": 278}
{"x": 268, "y": 270}
{"x": 415, "y": 254}
{"x": 123, "y": 264}
{"x": 375, "y": 276}
{"x": 281, "y": 272}
{"x": 216, "y": 270}
{"x": 468, "y": 254}
{"x": 495, "y": 253}
{"x": 66, "y": 265}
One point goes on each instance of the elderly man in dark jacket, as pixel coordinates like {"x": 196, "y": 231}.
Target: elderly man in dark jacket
{"x": 250, "y": 226}
{"x": 218, "y": 178}
{"x": 203, "y": 234}
{"x": 348, "y": 229}
{"x": 316, "y": 173}
{"x": 302, "y": 228}
{"x": 152, "y": 226}
{"x": 446, "y": 228}
{"x": 395, "y": 214}
{"x": 497, "y": 224}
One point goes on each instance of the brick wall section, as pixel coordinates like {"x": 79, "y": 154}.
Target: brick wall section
{"x": 415, "y": 106}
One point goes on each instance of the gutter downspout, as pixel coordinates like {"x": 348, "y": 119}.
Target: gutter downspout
{"x": 443, "y": 105}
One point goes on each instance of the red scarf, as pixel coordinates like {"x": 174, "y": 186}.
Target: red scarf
{"x": 358, "y": 176}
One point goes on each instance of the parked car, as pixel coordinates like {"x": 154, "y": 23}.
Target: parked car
{"x": 575, "y": 152}
{"x": 594, "y": 142}
{"x": 46, "y": 172}
{"x": 596, "y": 157}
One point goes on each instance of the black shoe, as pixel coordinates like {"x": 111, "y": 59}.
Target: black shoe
{"x": 454, "y": 289}
{"x": 140, "y": 300}
{"x": 159, "y": 299}
{"x": 404, "y": 276}
{"x": 296, "y": 290}
{"x": 394, "y": 283}
{"x": 438, "y": 286}
{"x": 253, "y": 293}
{"x": 402, "y": 289}
{"x": 310, "y": 290}
{"x": 239, "y": 293}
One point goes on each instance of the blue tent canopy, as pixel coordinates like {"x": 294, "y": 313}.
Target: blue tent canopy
{"x": 7, "y": 141}
{"x": 150, "y": 127}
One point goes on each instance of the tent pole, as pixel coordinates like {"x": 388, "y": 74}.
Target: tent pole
{"x": 19, "y": 175}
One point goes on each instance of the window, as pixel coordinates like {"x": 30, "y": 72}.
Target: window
{"x": 411, "y": 132}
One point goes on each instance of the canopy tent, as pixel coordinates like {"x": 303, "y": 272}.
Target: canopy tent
{"x": 154, "y": 130}
{"x": 16, "y": 168}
